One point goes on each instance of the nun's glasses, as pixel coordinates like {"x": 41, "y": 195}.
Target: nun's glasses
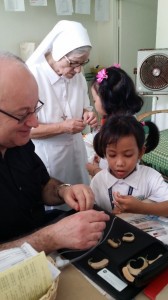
{"x": 74, "y": 64}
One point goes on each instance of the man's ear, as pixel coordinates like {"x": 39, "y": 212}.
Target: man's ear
{"x": 142, "y": 152}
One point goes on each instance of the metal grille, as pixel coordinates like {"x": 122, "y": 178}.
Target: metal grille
{"x": 154, "y": 72}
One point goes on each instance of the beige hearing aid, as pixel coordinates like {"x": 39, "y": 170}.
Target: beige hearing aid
{"x": 114, "y": 243}
{"x": 128, "y": 237}
{"x": 150, "y": 261}
{"x": 141, "y": 262}
{"x": 127, "y": 274}
{"x": 99, "y": 264}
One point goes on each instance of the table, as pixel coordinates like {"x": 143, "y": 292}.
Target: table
{"x": 73, "y": 285}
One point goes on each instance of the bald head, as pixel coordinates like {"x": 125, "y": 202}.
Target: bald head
{"x": 18, "y": 97}
{"x": 15, "y": 77}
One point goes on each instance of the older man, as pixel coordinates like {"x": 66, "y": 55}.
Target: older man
{"x": 25, "y": 184}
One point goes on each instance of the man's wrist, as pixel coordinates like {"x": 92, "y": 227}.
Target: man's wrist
{"x": 59, "y": 187}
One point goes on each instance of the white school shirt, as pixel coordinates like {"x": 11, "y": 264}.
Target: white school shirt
{"x": 146, "y": 182}
{"x": 64, "y": 155}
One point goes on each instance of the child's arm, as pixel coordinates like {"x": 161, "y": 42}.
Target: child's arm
{"x": 131, "y": 204}
{"x": 93, "y": 168}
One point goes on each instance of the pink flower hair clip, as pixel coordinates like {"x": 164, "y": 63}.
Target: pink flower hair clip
{"x": 143, "y": 123}
{"x": 116, "y": 66}
{"x": 101, "y": 75}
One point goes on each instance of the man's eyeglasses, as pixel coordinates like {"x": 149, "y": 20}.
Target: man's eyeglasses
{"x": 24, "y": 117}
{"x": 74, "y": 64}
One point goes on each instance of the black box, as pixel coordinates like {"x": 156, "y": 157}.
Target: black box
{"x": 111, "y": 278}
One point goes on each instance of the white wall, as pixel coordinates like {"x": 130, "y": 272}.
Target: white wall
{"x": 132, "y": 26}
{"x": 162, "y": 25}
{"x": 107, "y": 37}
{"x": 137, "y": 30}
{"x": 36, "y": 22}
{"x": 162, "y": 42}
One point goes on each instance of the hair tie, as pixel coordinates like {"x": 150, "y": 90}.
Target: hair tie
{"x": 143, "y": 123}
{"x": 101, "y": 75}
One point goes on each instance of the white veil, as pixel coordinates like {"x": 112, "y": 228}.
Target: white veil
{"x": 63, "y": 38}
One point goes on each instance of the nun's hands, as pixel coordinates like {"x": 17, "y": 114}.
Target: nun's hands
{"x": 73, "y": 125}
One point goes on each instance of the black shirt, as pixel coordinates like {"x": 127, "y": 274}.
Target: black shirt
{"x": 22, "y": 175}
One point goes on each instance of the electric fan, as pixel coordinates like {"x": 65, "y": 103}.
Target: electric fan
{"x": 152, "y": 71}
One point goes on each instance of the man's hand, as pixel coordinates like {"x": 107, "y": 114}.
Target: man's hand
{"x": 82, "y": 230}
{"x": 79, "y": 197}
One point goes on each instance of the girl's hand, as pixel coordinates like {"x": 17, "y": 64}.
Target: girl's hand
{"x": 96, "y": 159}
{"x": 93, "y": 168}
{"x": 90, "y": 118}
{"x": 126, "y": 203}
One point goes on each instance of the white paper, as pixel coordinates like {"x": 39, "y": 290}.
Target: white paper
{"x": 14, "y": 5}
{"x": 82, "y": 7}
{"x": 102, "y": 9}
{"x": 112, "y": 279}
{"x": 151, "y": 225}
{"x": 38, "y": 2}
{"x": 13, "y": 256}
{"x": 30, "y": 279}
{"x": 64, "y": 7}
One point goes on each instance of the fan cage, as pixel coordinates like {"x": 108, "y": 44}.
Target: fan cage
{"x": 154, "y": 72}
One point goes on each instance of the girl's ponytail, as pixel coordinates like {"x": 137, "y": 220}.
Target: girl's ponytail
{"x": 97, "y": 145}
{"x": 152, "y": 139}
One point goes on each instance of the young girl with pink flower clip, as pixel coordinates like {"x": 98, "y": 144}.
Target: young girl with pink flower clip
{"x": 113, "y": 92}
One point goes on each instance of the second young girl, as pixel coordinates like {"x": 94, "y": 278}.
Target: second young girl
{"x": 113, "y": 92}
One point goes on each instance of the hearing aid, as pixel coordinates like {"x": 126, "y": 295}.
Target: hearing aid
{"x": 99, "y": 264}
{"x": 114, "y": 243}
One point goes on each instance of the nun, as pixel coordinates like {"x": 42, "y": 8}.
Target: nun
{"x": 57, "y": 64}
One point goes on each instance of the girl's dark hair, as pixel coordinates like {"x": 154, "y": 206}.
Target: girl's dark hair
{"x": 117, "y": 92}
{"x": 120, "y": 126}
